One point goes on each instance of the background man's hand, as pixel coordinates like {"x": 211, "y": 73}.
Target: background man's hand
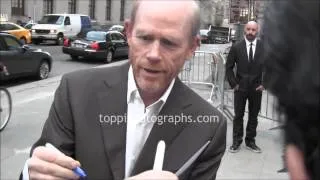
{"x": 158, "y": 175}
{"x": 236, "y": 88}
{"x": 46, "y": 163}
{"x": 260, "y": 88}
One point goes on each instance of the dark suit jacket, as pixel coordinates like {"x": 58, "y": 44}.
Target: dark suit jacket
{"x": 74, "y": 127}
{"x": 248, "y": 75}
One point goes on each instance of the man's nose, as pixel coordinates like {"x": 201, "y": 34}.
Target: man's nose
{"x": 154, "y": 52}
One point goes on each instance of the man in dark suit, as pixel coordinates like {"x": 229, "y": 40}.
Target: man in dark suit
{"x": 247, "y": 84}
{"x": 98, "y": 116}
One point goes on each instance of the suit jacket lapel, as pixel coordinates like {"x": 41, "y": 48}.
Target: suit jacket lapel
{"x": 258, "y": 52}
{"x": 244, "y": 51}
{"x": 167, "y": 131}
{"x": 113, "y": 101}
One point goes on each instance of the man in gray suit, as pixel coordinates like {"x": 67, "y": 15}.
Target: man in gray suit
{"x": 111, "y": 119}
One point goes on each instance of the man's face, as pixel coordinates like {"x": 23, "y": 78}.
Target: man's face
{"x": 251, "y": 30}
{"x": 159, "y": 44}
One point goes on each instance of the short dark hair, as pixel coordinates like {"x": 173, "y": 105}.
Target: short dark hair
{"x": 290, "y": 36}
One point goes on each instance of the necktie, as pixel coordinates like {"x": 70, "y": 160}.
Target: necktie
{"x": 250, "y": 53}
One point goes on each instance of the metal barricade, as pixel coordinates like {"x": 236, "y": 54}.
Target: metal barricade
{"x": 208, "y": 69}
{"x": 200, "y": 71}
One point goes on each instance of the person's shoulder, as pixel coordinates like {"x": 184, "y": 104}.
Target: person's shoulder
{"x": 94, "y": 75}
{"x": 238, "y": 44}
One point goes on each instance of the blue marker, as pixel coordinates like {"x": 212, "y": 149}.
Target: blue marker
{"x": 77, "y": 170}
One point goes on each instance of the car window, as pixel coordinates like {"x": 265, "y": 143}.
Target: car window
{"x": 117, "y": 37}
{"x": 2, "y": 48}
{"x": 51, "y": 19}
{"x": 85, "y": 22}
{"x": 67, "y": 21}
{"x": 7, "y": 27}
{"x": 108, "y": 38}
{"x": 12, "y": 27}
{"x": 12, "y": 44}
{"x": 2, "y": 27}
{"x": 121, "y": 37}
{"x": 95, "y": 36}
{"x": 28, "y": 26}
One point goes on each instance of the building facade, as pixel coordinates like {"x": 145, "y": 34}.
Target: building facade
{"x": 213, "y": 12}
{"x": 103, "y": 11}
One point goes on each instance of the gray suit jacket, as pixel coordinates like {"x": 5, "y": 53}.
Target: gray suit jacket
{"x": 83, "y": 97}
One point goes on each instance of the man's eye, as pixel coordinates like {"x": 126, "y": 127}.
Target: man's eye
{"x": 145, "y": 38}
{"x": 167, "y": 42}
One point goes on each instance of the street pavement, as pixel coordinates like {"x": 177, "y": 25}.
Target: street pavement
{"x": 32, "y": 101}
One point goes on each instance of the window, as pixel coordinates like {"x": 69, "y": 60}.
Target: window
{"x": 12, "y": 44}
{"x": 92, "y": 7}
{"x": 85, "y": 22}
{"x": 8, "y": 27}
{"x": 108, "y": 10}
{"x": 108, "y": 38}
{"x": 122, "y": 11}
{"x": 17, "y": 7}
{"x": 67, "y": 21}
{"x": 72, "y": 6}
{"x": 51, "y": 19}
{"x": 117, "y": 37}
{"x": 47, "y": 6}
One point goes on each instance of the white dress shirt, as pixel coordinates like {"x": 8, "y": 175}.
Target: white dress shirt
{"x": 139, "y": 121}
{"x": 138, "y": 128}
{"x": 254, "y": 45}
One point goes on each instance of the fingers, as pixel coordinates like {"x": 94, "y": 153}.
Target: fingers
{"x": 46, "y": 163}
{"x": 295, "y": 163}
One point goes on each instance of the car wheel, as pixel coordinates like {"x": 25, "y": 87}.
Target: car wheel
{"x": 36, "y": 42}
{"x": 109, "y": 57}
{"x": 60, "y": 40}
{"x": 74, "y": 57}
{"x": 43, "y": 71}
{"x": 23, "y": 40}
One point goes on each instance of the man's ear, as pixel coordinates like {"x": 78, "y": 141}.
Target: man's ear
{"x": 195, "y": 43}
{"x": 128, "y": 28}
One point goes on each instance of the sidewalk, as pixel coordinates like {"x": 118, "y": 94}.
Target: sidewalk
{"x": 246, "y": 164}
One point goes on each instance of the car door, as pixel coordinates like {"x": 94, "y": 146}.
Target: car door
{"x": 119, "y": 44}
{"x": 67, "y": 27}
{"x": 124, "y": 45}
{"x": 16, "y": 59}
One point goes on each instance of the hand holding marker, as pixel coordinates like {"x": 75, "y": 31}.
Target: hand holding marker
{"x": 77, "y": 170}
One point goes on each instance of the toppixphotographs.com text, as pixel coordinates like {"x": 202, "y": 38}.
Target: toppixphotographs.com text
{"x": 161, "y": 119}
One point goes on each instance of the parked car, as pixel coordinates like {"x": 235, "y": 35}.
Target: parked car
{"x": 23, "y": 60}
{"x": 104, "y": 45}
{"x": 119, "y": 28}
{"x": 219, "y": 35}
{"x": 29, "y": 26}
{"x": 204, "y": 35}
{"x": 57, "y": 26}
{"x": 19, "y": 32}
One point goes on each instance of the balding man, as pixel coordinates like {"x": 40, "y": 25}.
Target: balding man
{"x": 247, "y": 84}
{"x": 111, "y": 119}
